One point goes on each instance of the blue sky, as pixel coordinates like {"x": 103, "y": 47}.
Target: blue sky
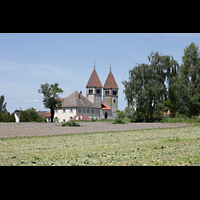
{"x": 30, "y": 59}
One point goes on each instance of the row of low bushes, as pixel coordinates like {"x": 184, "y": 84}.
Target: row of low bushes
{"x": 72, "y": 123}
{"x": 126, "y": 120}
{"x": 180, "y": 120}
{"x": 123, "y": 118}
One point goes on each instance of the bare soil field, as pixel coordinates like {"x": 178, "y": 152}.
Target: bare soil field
{"x": 8, "y": 130}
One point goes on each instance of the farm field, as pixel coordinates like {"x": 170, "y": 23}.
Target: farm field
{"x": 43, "y": 129}
{"x": 142, "y": 147}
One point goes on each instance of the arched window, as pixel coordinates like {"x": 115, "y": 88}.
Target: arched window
{"x": 90, "y": 91}
{"x": 107, "y": 92}
{"x": 98, "y": 91}
{"x": 114, "y": 92}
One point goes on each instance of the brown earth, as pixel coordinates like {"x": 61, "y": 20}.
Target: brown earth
{"x": 8, "y": 130}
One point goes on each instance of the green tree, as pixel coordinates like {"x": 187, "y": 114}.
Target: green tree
{"x": 6, "y": 117}
{"x": 3, "y": 109}
{"x": 51, "y": 99}
{"x": 12, "y": 117}
{"x": 149, "y": 86}
{"x": 190, "y": 75}
{"x": 29, "y": 115}
{"x": 129, "y": 112}
{"x": 2, "y": 104}
{"x": 24, "y": 116}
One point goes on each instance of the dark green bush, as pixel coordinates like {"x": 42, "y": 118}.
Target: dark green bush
{"x": 41, "y": 119}
{"x": 119, "y": 121}
{"x": 30, "y": 115}
{"x": 73, "y": 123}
{"x": 7, "y": 117}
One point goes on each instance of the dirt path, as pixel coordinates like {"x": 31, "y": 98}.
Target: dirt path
{"x": 8, "y": 130}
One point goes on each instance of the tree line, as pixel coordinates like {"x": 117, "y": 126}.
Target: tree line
{"x": 5, "y": 116}
{"x": 28, "y": 115}
{"x": 164, "y": 84}
{"x": 51, "y": 100}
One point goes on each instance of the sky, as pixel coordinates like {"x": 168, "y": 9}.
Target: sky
{"x": 28, "y": 60}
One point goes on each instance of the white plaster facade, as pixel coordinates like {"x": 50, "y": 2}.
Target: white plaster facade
{"x": 65, "y": 114}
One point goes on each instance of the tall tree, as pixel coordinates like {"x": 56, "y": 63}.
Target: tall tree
{"x": 2, "y": 104}
{"x": 149, "y": 86}
{"x": 190, "y": 75}
{"x": 3, "y": 110}
{"x": 51, "y": 98}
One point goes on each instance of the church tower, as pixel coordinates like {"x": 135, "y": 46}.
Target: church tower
{"x": 94, "y": 89}
{"x": 110, "y": 93}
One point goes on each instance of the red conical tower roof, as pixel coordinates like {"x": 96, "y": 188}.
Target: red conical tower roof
{"x": 110, "y": 82}
{"x": 94, "y": 80}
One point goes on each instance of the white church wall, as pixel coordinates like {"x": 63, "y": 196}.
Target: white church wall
{"x": 92, "y": 113}
{"x": 65, "y": 114}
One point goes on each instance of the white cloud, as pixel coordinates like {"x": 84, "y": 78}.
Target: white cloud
{"x": 30, "y": 100}
{"x": 36, "y": 100}
{"x": 39, "y": 70}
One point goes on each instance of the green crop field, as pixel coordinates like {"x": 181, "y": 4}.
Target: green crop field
{"x": 169, "y": 146}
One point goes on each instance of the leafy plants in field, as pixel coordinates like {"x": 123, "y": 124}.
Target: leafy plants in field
{"x": 72, "y": 123}
{"x": 178, "y": 146}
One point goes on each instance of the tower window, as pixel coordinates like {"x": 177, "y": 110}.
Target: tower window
{"x": 98, "y": 91}
{"x": 114, "y": 101}
{"x": 107, "y": 92}
{"x": 90, "y": 91}
{"x": 114, "y": 92}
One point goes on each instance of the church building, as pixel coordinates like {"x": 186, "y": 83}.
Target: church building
{"x": 76, "y": 106}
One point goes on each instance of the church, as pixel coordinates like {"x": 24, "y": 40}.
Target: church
{"x": 76, "y": 106}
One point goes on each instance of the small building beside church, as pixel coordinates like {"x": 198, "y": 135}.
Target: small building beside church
{"x": 77, "y": 106}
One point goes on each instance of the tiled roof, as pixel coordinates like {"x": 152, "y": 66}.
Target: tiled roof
{"x": 41, "y": 112}
{"x": 94, "y": 80}
{"x": 105, "y": 107}
{"x": 47, "y": 114}
{"x": 77, "y": 100}
{"x": 62, "y": 99}
{"x": 110, "y": 82}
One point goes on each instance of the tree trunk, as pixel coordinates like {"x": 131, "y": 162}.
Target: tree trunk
{"x": 52, "y": 114}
